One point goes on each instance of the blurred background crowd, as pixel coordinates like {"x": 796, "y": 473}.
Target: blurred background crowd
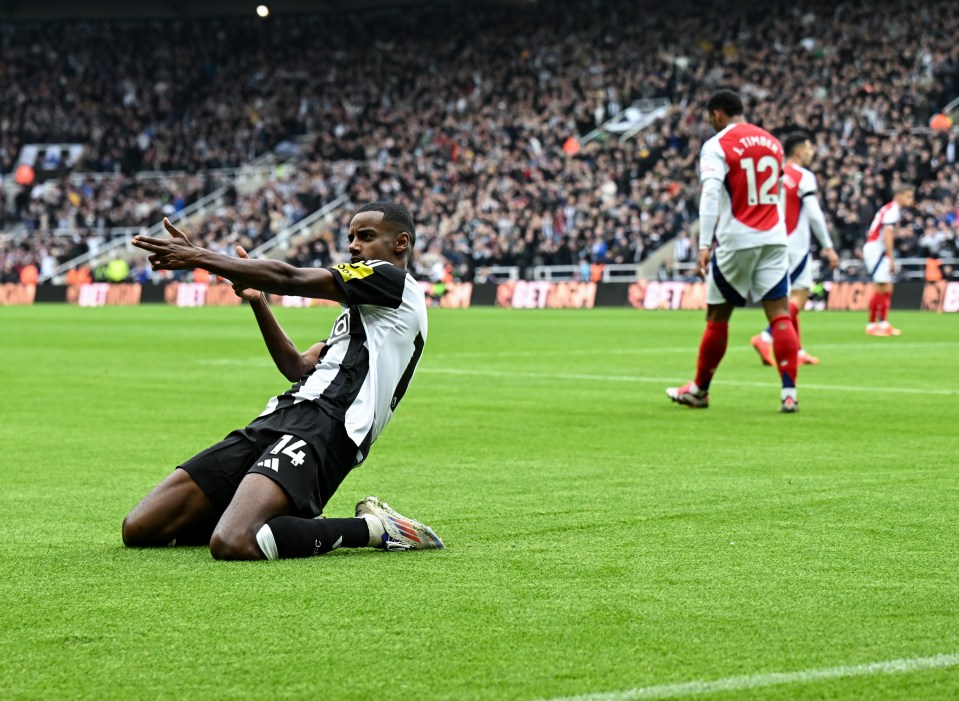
{"x": 481, "y": 118}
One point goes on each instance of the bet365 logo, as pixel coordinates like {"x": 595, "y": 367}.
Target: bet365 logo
{"x": 353, "y": 271}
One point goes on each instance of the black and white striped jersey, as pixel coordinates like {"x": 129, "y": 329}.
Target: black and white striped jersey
{"x": 371, "y": 353}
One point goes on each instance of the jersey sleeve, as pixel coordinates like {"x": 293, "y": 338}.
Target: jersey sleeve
{"x": 712, "y": 162}
{"x": 891, "y": 216}
{"x": 808, "y": 185}
{"x": 370, "y": 282}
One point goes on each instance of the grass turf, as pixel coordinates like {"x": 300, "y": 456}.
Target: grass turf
{"x": 599, "y": 538}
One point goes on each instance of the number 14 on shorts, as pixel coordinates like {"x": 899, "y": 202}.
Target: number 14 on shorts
{"x": 291, "y": 450}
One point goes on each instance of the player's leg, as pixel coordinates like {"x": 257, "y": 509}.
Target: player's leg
{"x": 376, "y": 525}
{"x": 186, "y": 506}
{"x": 800, "y": 275}
{"x": 727, "y": 273}
{"x": 877, "y": 264}
{"x": 763, "y": 343}
{"x": 771, "y": 285}
{"x": 257, "y": 500}
{"x": 712, "y": 347}
{"x": 282, "y": 479}
{"x": 265, "y": 520}
{"x": 797, "y": 301}
{"x": 883, "y": 312}
{"x": 785, "y": 349}
{"x": 272, "y": 515}
{"x": 176, "y": 509}
{"x": 308, "y": 475}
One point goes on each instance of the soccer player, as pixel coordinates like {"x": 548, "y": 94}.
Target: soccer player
{"x": 256, "y": 494}
{"x": 879, "y": 256}
{"x": 740, "y": 169}
{"x": 802, "y": 213}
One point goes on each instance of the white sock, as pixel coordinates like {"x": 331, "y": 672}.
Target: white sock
{"x": 789, "y": 392}
{"x": 376, "y": 530}
{"x": 264, "y": 538}
{"x": 766, "y": 336}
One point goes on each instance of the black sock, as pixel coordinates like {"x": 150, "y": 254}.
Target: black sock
{"x": 303, "y": 537}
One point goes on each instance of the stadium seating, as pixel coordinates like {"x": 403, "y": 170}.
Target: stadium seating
{"x": 480, "y": 133}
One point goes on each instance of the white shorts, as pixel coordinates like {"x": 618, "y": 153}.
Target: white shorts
{"x": 800, "y": 270}
{"x": 761, "y": 272}
{"x": 877, "y": 262}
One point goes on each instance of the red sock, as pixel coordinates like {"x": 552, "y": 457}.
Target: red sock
{"x": 794, "y": 315}
{"x": 884, "y": 300}
{"x": 874, "y": 303}
{"x": 711, "y": 351}
{"x": 785, "y": 348}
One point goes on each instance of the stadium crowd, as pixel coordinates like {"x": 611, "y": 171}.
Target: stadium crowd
{"x": 474, "y": 117}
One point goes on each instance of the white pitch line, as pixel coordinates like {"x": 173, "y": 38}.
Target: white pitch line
{"x": 755, "y": 681}
{"x": 667, "y": 380}
{"x": 242, "y": 362}
{"x": 882, "y": 346}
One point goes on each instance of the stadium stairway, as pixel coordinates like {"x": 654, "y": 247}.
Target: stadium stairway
{"x": 246, "y": 180}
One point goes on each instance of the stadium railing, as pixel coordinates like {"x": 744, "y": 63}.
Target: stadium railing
{"x": 630, "y": 121}
{"x": 496, "y": 273}
{"x": 214, "y": 199}
{"x": 300, "y": 228}
{"x": 612, "y": 272}
{"x": 908, "y": 269}
{"x": 658, "y": 109}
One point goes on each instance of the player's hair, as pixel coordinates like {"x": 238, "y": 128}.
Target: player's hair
{"x": 903, "y": 187}
{"x": 398, "y": 217}
{"x": 727, "y": 102}
{"x": 794, "y": 140}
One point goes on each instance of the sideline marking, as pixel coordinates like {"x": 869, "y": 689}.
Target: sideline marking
{"x": 880, "y": 345}
{"x": 743, "y": 348}
{"x": 667, "y": 380}
{"x": 755, "y": 681}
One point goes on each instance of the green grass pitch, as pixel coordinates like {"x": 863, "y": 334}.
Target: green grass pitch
{"x": 600, "y": 539}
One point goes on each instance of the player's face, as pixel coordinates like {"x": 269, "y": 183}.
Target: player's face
{"x": 371, "y": 239}
{"x": 805, "y": 153}
{"x": 714, "y": 118}
{"x": 907, "y": 198}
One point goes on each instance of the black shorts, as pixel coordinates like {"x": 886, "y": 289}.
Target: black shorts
{"x": 299, "y": 447}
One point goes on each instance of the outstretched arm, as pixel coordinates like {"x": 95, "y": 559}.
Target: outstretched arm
{"x": 177, "y": 253}
{"x": 289, "y": 361}
{"x": 817, "y": 222}
{"x": 889, "y": 241}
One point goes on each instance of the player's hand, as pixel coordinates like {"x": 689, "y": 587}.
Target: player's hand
{"x": 832, "y": 258}
{"x": 702, "y": 265}
{"x": 176, "y": 253}
{"x": 892, "y": 265}
{"x": 245, "y": 292}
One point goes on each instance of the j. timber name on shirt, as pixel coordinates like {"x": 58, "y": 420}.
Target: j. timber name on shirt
{"x": 763, "y": 141}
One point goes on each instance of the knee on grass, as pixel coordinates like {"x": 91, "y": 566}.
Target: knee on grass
{"x": 225, "y": 545}
{"x": 140, "y": 533}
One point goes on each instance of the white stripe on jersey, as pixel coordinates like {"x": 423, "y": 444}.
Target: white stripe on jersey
{"x": 887, "y": 215}
{"x": 327, "y": 369}
{"x": 800, "y": 240}
{"x": 372, "y": 353}
{"x": 391, "y": 338}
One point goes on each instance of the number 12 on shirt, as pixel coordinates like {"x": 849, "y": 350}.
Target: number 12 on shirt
{"x": 768, "y": 192}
